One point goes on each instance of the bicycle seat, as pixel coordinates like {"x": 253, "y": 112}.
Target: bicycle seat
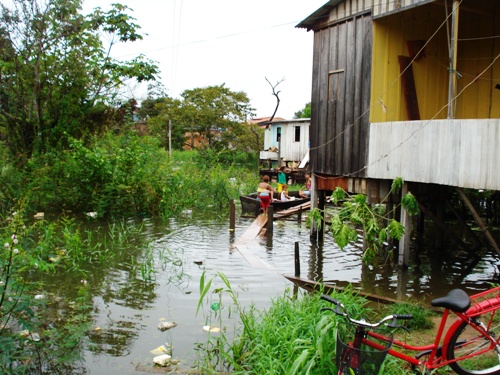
{"x": 456, "y": 300}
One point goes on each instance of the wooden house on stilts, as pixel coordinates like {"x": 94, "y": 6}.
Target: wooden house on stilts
{"x": 410, "y": 89}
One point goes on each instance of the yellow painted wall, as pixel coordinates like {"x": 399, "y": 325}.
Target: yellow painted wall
{"x": 477, "y": 51}
{"x": 391, "y": 35}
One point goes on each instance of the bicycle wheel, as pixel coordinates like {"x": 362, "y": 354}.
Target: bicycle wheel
{"x": 466, "y": 341}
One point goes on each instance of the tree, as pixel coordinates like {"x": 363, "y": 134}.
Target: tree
{"x": 56, "y": 75}
{"x": 216, "y": 113}
{"x": 304, "y": 113}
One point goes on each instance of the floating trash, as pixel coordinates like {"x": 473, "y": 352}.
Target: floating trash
{"x": 163, "y": 326}
{"x": 215, "y": 306}
{"x": 162, "y": 349}
{"x": 187, "y": 213}
{"x": 39, "y": 215}
{"x": 35, "y": 337}
{"x": 211, "y": 329}
{"x": 93, "y": 215}
{"x": 24, "y": 333}
{"x": 162, "y": 360}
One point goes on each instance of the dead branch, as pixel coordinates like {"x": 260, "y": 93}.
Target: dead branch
{"x": 275, "y": 93}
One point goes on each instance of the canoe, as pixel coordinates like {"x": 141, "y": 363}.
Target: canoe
{"x": 251, "y": 205}
{"x": 328, "y": 288}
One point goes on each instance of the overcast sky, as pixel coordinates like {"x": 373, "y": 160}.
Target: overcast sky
{"x": 199, "y": 43}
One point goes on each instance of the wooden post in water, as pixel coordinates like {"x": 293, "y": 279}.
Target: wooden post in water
{"x": 300, "y": 215}
{"x": 297, "y": 260}
{"x": 404, "y": 242}
{"x": 232, "y": 215}
{"x": 270, "y": 216}
{"x": 321, "y": 206}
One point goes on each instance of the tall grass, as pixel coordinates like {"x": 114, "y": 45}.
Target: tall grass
{"x": 293, "y": 336}
{"x": 126, "y": 175}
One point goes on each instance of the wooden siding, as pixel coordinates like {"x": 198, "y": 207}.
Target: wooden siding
{"x": 462, "y": 153}
{"x": 385, "y": 7}
{"x": 348, "y": 9}
{"x": 335, "y": 11}
{"x": 290, "y": 150}
{"x": 340, "y": 97}
{"x": 477, "y": 50}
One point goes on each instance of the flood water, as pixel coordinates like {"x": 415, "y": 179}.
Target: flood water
{"x": 127, "y": 309}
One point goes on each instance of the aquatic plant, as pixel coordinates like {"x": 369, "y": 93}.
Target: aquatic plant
{"x": 26, "y": 323}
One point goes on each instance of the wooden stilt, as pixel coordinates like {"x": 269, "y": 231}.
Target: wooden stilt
{"x": 314, "y": 204}
{"x": 478, "y": 219}
{"x": 404, "y": 243}
{"x": 297, "y": 260}
{"x": 270, "y": 215}
{"x": 321, "y": 206}
{"x": 439, "y": 204}
{"x": 232, "y": 215}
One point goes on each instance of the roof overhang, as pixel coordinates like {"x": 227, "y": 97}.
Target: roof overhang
{"x": 321, "y": 13}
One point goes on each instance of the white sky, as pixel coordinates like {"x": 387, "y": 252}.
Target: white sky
{"x": 199, "y": 43}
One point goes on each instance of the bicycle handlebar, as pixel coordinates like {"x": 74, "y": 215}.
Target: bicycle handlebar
{"x": 342, "y": 311}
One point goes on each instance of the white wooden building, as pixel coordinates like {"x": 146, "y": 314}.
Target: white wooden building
{"x": 287, "y": 140}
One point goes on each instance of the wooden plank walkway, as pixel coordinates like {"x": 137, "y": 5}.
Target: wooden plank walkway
{"x": 292, "y": 210}
{"x": 248, "y": 238}
{"x": 253, "y": 231}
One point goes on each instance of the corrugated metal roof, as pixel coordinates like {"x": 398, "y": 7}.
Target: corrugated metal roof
{"x": 322, "y": 12}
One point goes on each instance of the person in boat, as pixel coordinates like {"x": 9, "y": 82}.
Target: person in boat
{"x": 284, "y": 197}
{"x": 305, "y": 191}
{"x": 265, "y": 193}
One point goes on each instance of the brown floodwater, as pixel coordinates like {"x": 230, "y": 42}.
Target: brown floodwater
{"x": 127, "y": 308}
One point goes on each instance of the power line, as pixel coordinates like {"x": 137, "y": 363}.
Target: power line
{"x": 380, "y": 100}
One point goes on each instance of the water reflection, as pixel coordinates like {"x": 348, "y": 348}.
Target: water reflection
{"x": 127, "y": 305}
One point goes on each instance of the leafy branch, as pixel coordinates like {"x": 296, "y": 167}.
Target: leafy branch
{"x": 376, "y": 222}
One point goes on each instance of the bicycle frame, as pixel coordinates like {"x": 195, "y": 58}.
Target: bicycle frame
{"x": 436, "y": 352}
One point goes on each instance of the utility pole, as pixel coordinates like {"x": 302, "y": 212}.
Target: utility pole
{"x": 452, "y": 90}
{"x": 169, "y": 138}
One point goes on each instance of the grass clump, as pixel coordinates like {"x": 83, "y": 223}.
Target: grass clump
{"x": 421, "y": 316}
{"x": 293, "y": 336}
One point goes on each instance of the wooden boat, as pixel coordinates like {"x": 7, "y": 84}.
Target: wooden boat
{"x": 326, "y": 287}
{"x": 329, "y": 287}
{"x": 251, "y": 205}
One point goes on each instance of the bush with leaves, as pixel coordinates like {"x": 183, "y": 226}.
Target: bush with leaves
{"x": 31, "y": 340}
{"x": 376, "y": 222}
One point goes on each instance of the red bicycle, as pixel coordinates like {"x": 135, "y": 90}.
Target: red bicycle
{"x": 470, "y": 345}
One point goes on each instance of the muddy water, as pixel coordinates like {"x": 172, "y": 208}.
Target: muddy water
{"x": 127, "y": 309}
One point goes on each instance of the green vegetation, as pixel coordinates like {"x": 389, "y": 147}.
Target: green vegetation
{"x": 58, "y": 79}
{"x": 124, "y": 175}
{"x": 292, "y": 337}
{"x": 304, "y": 113}
{"x": 376, "y": 222}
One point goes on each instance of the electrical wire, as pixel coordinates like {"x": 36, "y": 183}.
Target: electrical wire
{"x": 380, "y": 100}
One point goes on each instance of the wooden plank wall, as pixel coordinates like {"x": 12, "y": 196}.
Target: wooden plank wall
{"x": 385, "y": 7}
{"x": 341, "y": 96}
{"x": 349, "y": 8}
{"x": 461, "y": 153}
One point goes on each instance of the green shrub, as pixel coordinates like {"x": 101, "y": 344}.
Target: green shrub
{"x": 126, "y": 175}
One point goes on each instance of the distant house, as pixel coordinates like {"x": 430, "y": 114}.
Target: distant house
{"x": 287, "y": 140}
{"x": 197, "y": 140}
{"x": 407, "y": 88}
